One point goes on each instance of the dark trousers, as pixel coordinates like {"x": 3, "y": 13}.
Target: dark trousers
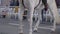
{"x": 42, "y": 15}
{"x": 3, "y": 16}
{"x": 24, "y": 17}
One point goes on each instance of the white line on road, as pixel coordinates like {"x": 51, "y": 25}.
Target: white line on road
{"x": 13, "y": 24}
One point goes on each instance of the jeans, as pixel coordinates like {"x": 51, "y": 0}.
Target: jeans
{"x": 42, "y": 15}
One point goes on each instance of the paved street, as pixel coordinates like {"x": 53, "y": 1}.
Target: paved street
{"x": 6, "y": 28}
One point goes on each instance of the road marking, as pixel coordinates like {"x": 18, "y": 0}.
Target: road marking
{"x": 13, "y": 24}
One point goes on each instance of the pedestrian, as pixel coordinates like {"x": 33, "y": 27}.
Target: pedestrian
{"x": 44, "y": 10}
{"x": 3, "y": 14}
{"x": 25, "y": 14}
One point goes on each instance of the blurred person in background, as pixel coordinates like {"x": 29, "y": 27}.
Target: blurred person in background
{"x": 44, "y": 9}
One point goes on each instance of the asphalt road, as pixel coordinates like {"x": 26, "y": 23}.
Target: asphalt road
{"x": 10, "y": 26}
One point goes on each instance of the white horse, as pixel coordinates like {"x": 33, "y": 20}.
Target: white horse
{"x": 52, "y": 6}
{"x": 30, "y": 4}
